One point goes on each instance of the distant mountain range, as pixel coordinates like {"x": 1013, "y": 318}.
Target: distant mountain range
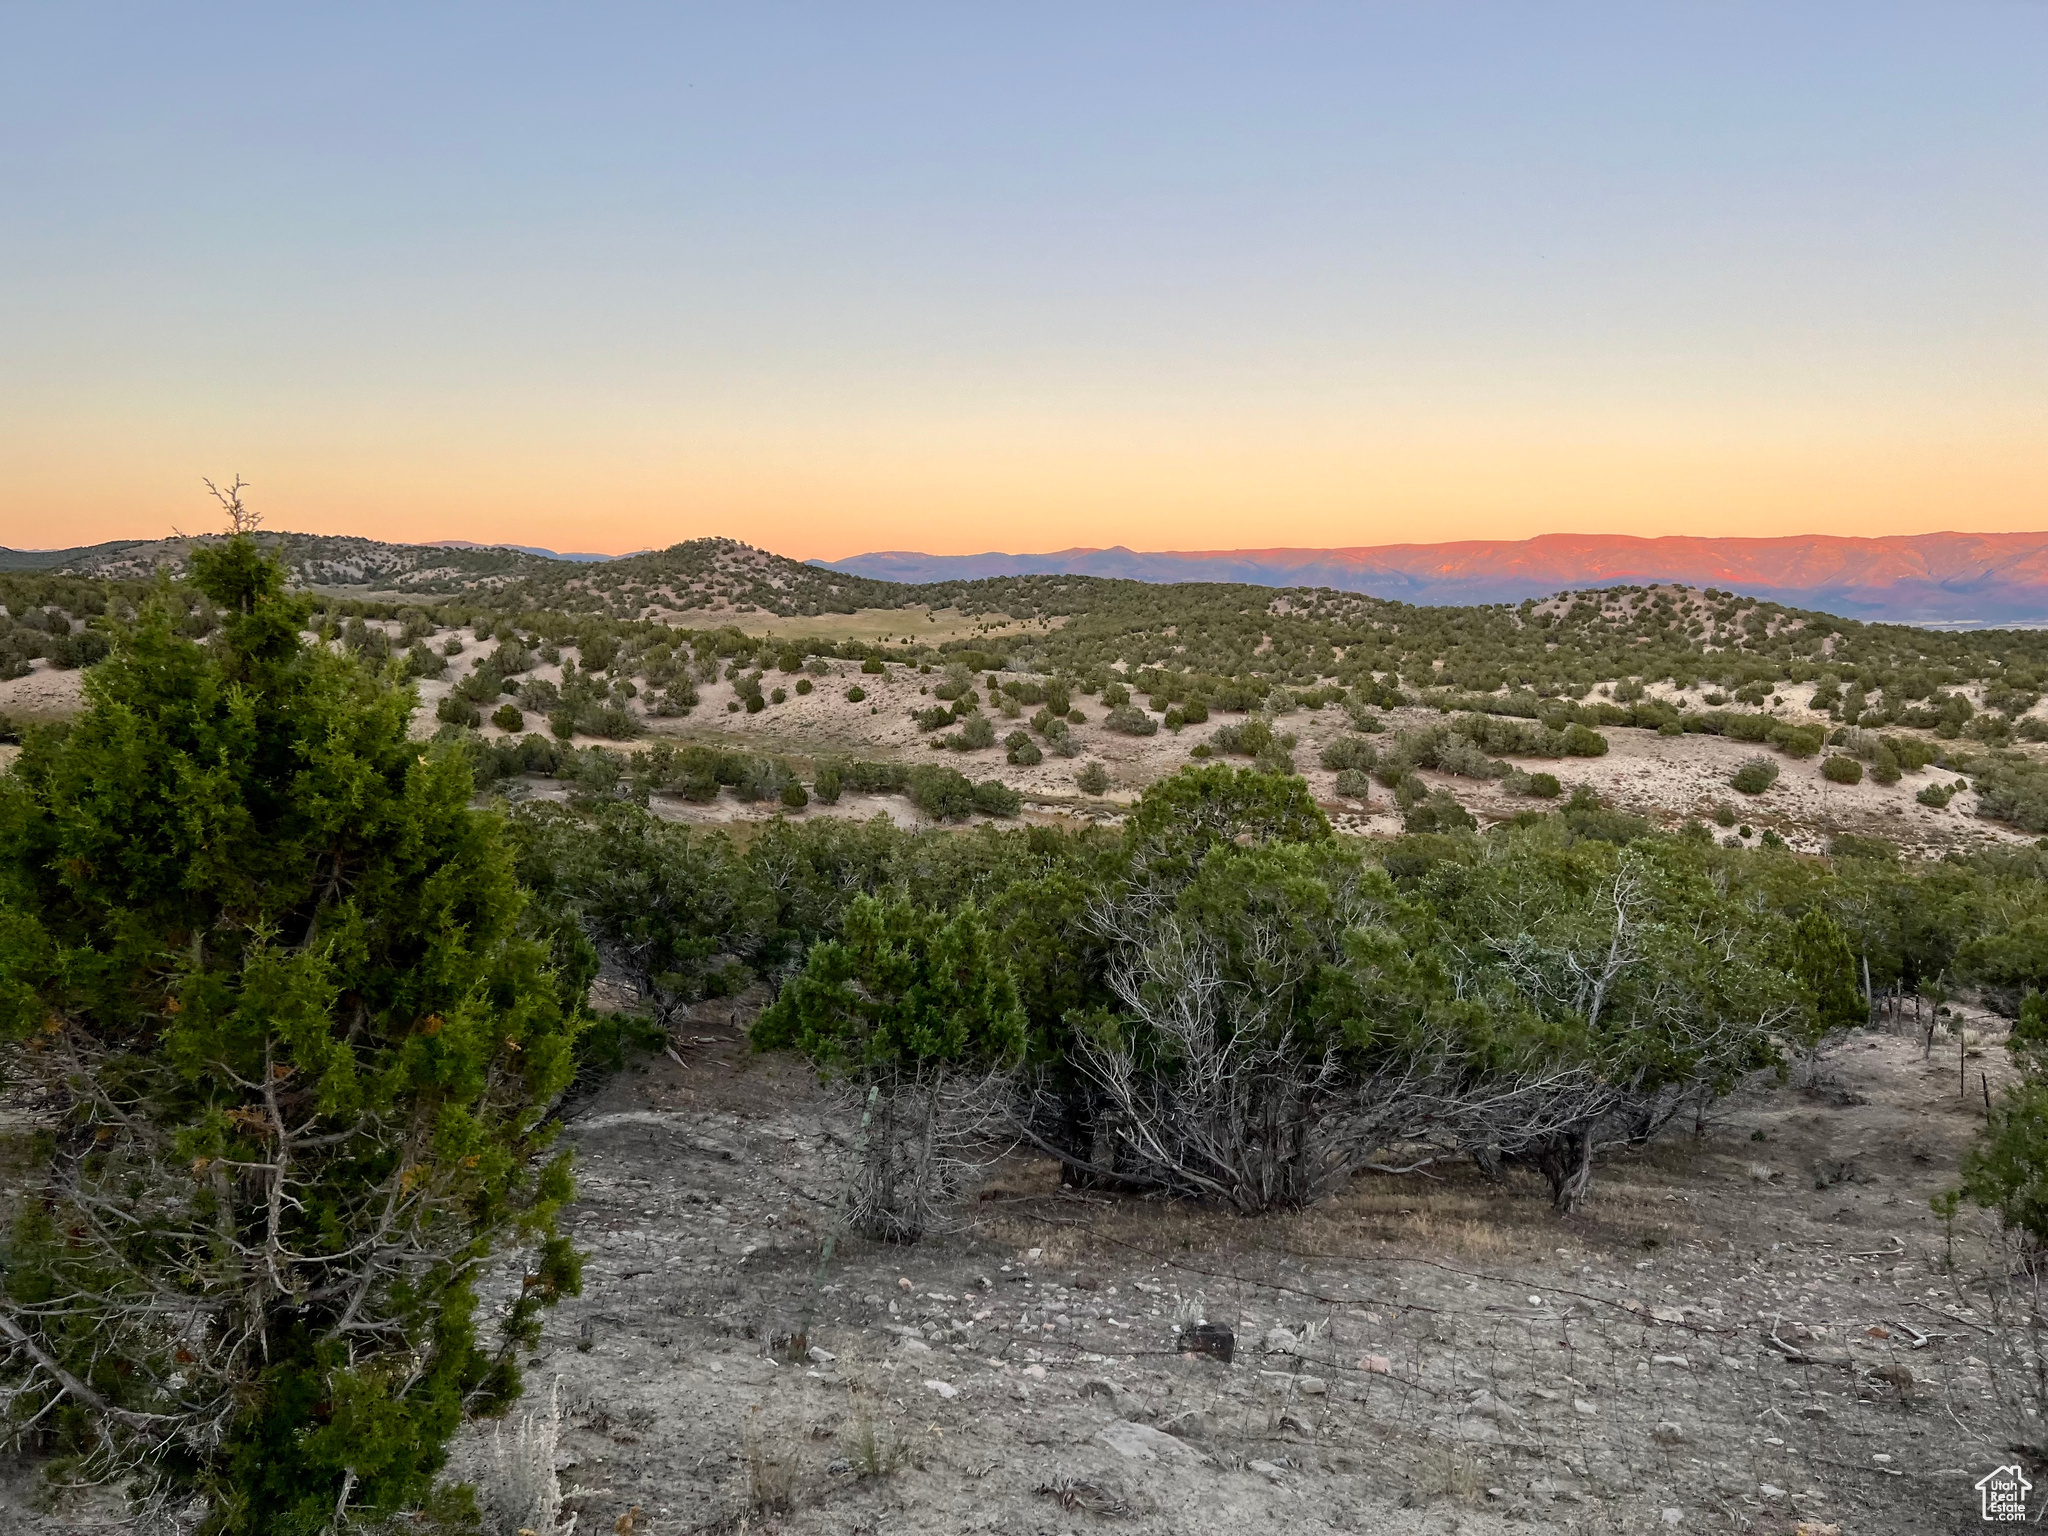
{"x": 1956, "y": 578}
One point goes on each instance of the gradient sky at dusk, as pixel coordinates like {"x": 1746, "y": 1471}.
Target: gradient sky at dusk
{"x": 838, "y": 278}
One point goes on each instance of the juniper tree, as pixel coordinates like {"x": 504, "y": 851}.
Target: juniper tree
{"x": 913, "y": 1008}
{"x": 299, "y": 1045}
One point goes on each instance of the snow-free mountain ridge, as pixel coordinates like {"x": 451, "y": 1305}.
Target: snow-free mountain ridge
{"x": 1913, "y": 578}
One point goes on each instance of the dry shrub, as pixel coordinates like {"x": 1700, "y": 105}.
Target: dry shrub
{"x": 518, "y": 1489}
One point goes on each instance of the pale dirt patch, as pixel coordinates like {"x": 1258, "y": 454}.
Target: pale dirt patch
{"x": 44, "y": 693}
{"x": 1460, "y": 1359}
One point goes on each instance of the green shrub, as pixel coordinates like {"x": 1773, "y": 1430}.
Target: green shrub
{"x": 1583, "y": 741}
{"x": 1349, "y": 752}
{"x": 421, "y": 661}
{"x": 1439, "y": 811}
{"x": 1274, "y": 758}
{"x": 1022, "y": 750}
{"x": 1544, "y": 786}
{"x": 1913, "y": 753}
{"x": 1799, "y": 740}
{"x": 1936, "y": 795}
{"x": 826, "y": 783}
{"x": 901, "y": 996}
{"x": 872, "y": 664}
{"x": 793, "y": 794}
{"x": 506, "y": 717}
{"x": 2013, "y": 788}
{"x": 977, "y": 732}
{"x": 1247, "y": 739}
{"x": 1354, "y": 784}
{"x": 1755, "y": 776}
{"x": 856, "y": 694}
{"x": 456, "y": 710}
{"x": 945, "y": 794}
{"x": 1838, "y": 769}
{"x": 1847, "y": 845}
{"x": 994, "y": 798}
{"x": 1130, "y": 720}
{"x": 1092, "y": 779}
{"x": 803, "y": 686}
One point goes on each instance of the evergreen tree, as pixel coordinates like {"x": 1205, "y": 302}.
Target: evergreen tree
{"x": 300, "y": 1042}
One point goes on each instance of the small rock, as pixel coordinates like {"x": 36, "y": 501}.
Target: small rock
{"x": 1668, "y": 1432}
{"x": 904, "y": 1284}
{"x": 1270, "y": 1470}
{"x": 1278, "y": 1341}
{"x": 1300, "y": 1420}
{"x": 1112, "y": 1394}
{"x": 1035, "y": 1372}
{"x": 819, "y": 1355}
{"x": 1672, "y": 1518}
{"x": 945, "y": 1389}
{"x": 914, "y": 1346}
{"x": 1814, "y": 1411}
{"x": 1141, "y": 1442}
{"x": 1377, "y": 1365}
{"x": 1770, "y": 1490}
{"x": 839, "y": 1466}
{"x": 1545, "y": 1393}
{"x": 1678, "y": 1360}
{"x": 1580, "y": 1405}
{"x": 1487, "y": 1406}
{"x": 1312, "y": 1386}
{"x": 1191, "y": 1424}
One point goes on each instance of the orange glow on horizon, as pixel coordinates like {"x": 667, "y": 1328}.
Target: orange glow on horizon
{"x": 1017, "y": 492}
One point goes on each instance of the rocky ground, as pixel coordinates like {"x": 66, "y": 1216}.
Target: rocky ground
{"x": 1749, "y": 1329}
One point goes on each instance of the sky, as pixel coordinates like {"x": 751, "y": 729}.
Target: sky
{"x": 833, "y": 278}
